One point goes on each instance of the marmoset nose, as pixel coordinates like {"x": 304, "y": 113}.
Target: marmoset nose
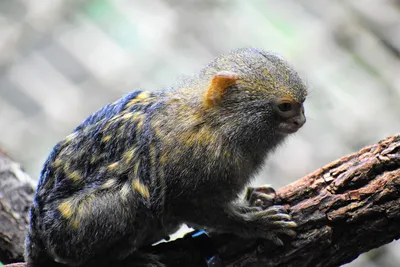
{"x": 299, "y": 120}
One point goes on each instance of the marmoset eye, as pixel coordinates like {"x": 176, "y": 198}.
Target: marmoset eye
{"x": 284, "y": 107}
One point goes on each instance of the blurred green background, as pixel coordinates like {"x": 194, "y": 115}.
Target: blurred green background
{"x": 61, "y": 60}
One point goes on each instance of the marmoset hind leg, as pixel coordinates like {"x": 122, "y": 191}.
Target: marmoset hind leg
{"x": 105, "y": 233}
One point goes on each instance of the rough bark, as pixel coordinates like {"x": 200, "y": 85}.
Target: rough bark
{"x": 16, "y": 194}
{"x": 343, "y": 209}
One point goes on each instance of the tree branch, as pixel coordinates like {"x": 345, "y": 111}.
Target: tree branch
{"x": 16, "y": 194}
{"x": 343, "y": 209}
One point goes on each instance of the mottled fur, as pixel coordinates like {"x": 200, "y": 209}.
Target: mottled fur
{"x": 135, "y": 170}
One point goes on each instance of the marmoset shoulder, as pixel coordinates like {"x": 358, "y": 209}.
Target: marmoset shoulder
{"x": 138, "y": 168}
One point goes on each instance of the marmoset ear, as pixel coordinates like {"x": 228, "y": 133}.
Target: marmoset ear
{"x": 217, "y": 88}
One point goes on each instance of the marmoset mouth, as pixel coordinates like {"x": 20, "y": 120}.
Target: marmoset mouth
{"x": 288, "y": 131}
{"x": 288, "y": 128}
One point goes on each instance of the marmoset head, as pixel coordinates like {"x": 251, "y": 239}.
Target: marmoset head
{"x": 254, "y": 94}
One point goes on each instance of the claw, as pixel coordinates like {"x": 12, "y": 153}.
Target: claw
{"x": 275, "y": 209}
{"x": 284, "y": 224}
{"x": 280, "y": 217}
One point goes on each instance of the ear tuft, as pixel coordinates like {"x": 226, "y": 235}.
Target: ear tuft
{"x": 217, "y": 88}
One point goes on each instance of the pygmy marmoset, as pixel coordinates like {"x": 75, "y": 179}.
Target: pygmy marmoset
{"x": 138, "y": 168}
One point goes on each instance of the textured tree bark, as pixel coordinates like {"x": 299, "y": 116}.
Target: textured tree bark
{"x": 16, "y": 194}
{"x": 343, "y": 209}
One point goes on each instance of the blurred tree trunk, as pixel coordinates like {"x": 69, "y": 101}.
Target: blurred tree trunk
{"x": 343, "y": 210}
